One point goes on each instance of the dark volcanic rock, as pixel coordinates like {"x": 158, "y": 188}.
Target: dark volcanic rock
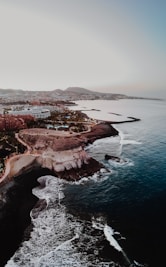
{"x": 107, "y": 157}
{"x": 15, "y": 211}
{"x": 100, "y": 130}
{"x": 17, "y": 200}
{"x": 86, "y": 170}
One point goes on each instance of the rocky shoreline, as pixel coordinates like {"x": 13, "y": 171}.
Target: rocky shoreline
{"x": 20, "y": 177}
{"x": 48, "y": 152}
{"x": 16, "y": 202}
{"x": 60, "y": 152}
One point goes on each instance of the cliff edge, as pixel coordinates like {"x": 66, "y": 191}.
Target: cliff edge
{"x": 58, "y": 151}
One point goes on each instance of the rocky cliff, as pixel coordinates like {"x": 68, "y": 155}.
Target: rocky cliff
{"x": 60, "y": 152}
{"x": 69, "y": 164}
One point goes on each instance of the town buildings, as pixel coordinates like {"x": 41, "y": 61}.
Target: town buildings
{"x": 37, "y": 112}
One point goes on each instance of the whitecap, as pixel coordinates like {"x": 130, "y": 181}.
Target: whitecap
{"x": 130, "y": 142}
{"x": 109, "y": 232}
{"x": 105, "y": 146}
{"x": 105, "y": 141}
{"x": 124, "y": 141}
{"x": 100, "y": 176}
{"x": 122, "y": 163}
{"x": 137, "y": 264}
{"x": 58, "y": 239}
{"x": 100, "y": 224}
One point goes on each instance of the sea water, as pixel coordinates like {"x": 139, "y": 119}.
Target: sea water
{"x": 114, "y": 218}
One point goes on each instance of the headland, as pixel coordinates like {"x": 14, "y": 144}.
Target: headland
{"x": 31, "y": 147}
{"x": 61, "y": 152}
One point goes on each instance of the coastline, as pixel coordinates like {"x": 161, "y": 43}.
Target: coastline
{"x": 39, "y": 161}
{"x": 16, "y": 199}
{"x": 15, "y": 207}
{"x": 61, "y": 152}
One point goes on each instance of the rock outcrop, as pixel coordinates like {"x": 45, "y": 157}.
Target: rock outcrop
{"x": 109, "y": 157}
{"x": 60, "y": 152}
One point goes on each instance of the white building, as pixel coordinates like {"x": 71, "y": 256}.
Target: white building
{"x": 37, "y": 112}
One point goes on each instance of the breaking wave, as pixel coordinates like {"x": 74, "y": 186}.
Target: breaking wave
{"x": 98, "y": 177}
{"x": 104, "y": 146}
{"x": 121, "y": 163}
{"x": 124, "y": 141}
{"x": 58, "y": 238}
{"x": 130, "y": 142}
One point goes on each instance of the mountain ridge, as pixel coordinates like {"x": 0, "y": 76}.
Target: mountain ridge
{"x": 69, "y": 94}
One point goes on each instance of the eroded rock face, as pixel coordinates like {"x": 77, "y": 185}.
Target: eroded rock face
{"x": 69, "y": 164}
{"x": 100, "y": 131}
{"x": 60, "y": 161}
{"x": 60, "y": 152}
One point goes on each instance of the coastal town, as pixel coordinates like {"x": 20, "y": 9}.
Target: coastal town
{"x": 58, "y": 118}
{"x": 41, "y": 137}
{"x": 47, "y": 134}
{"x": 41, "y": 130}
{"x": 82, "y": 133}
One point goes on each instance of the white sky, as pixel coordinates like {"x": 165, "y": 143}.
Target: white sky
{"x": 50, "y": 44}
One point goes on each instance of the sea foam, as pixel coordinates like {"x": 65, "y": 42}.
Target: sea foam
{"x": 130, "y": 142}
{"x": 58, "y": 238}
{"x": 122, "y": 163}
{"x": 109, "y": 233}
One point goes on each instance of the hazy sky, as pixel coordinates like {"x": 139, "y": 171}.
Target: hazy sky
{"x": 109, "y": 45}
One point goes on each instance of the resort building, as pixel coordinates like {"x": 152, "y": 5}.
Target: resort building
{"x": 36, "y": 112}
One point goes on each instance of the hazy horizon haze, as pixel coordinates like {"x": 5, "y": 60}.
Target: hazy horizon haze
{"x": 114, "y": 46}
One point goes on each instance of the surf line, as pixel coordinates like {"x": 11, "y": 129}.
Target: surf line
{"x": 60, "y": 247}
{"x": 109, "y": 234}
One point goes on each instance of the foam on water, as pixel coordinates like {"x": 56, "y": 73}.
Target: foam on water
{"x": 130, "y": 142}
{"x": 58, "y": 238}
{"x": 140, "y": 183}
{"x": 104, "y": 146}
{"x": 106, "y": 141}
{"x": 137, "y": 264}
{"x": 122, "y": 163}
{"x": 98, "y": 177}
{"x": 109, "y": 233}
{"x": 124, "y": 140}
{"x": 100, "y": 224}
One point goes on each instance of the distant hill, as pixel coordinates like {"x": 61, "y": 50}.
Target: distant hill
{"x": 10, "y": 91}
{"x": 70, "y": 94}
{"x": 85, "y": 93}
{"x": 79, "y": 90}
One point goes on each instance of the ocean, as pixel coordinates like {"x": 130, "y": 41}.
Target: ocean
{"x": 116, "y": 217}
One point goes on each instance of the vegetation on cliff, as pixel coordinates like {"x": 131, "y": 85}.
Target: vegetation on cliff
{"x": 9, "y": 145}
